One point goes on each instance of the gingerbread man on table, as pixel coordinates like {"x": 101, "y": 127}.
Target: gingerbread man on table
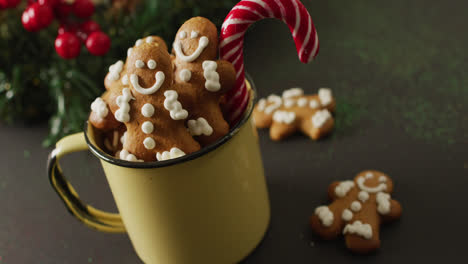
{"x": 195, "y": 51}
{"x": 357, "y": 210}
{"x": 295, "y": 111}
{"x": 142, "y": 95}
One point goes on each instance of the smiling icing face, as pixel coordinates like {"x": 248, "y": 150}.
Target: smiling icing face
{"x": 148, "y": 69}
{"x": 196, "y": 41}
{"x": 374, "y": 182}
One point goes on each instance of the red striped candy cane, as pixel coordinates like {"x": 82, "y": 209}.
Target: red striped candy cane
{"x": 247, "y": 12}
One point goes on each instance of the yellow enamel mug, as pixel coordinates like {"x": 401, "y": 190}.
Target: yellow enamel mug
{"x": 206, "y": 207}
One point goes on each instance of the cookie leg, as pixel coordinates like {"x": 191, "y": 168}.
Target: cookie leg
{"x": 279, "y": 131}
{"x": 362, "y": 233}
{"x": 318, "y": 125}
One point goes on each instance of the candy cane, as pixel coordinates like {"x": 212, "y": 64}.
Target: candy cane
{"x": 247, "y": 12}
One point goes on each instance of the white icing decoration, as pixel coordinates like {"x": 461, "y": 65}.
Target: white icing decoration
{"x": 147, "y": 127}
{"x": 363, "y": 196}
{"x": 185, "y": 75}
{"x": 276, "y": 100}
{"x": 149, "y": 40}
{"x": 138, "y": 42}
{"x": 125, "y": 155}
{"x": 147, "y": 110}
{"x": 383, "y": 203}
{"x": 182, "y": 34}
{"x": 211, "y": 76}
{"x": 313, "y": 104}
{"x": 381, "y": 187}
{"x": 115, "y": 70}
{"x": 174, "y": 106}
{"x": 159, "y": 81}
{"x": 320, "y": 118}
{"x": 129, "y": 52}
{"x": 293, "y": 92}
{"x": 123, "y": 138}
{"x": 122, "y": 114}
{"x": 289, "y": 103}
{"x": 202, "y": 43}
{"x": 325, "y": 215}
{"x": 199, "y": 127}
{"x": 172, "y": 154}
{"x": 382, "y": 179}
{"x": 139, "y": 64}
{"x": 356, "y": 206}
{"x": 261, "y": 104}
{"x": 125, "y": 79}
{"x": 358, "y": 228}
{"x": 342, "y": 189}
{"x": 284, "y": 117}
{"x": 301, "y": 102}
{"x": 149, "y": 143}
{"x": 152, "y": 64}
{"x": 193, "y": 34}
{"x": 100, "y": 108}
{"x": 347, "y": 215}
{"x": 369, "y": 175}
{"x": 325, "y": 96}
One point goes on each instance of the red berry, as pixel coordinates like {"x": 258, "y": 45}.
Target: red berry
{"x": 40, "y": 16}
{"x": 67, "y": 45}
{"x": 98, "y": 43}
{"x": 89, "y": 27}
{"x": 51, "y": 3}
{"x": 29, "y": 22}
{"x": 83, "y": 8}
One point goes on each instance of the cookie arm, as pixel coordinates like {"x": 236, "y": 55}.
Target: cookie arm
{"x": 395, "y": 211}
{"x": 108, "y": 122}
{"x": 227, "y": 75}
{"x": 331, "y": 191}
{"x": 324, "y": 226}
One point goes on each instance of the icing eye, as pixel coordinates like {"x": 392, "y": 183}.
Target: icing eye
{"x": 149, "y": 39}
{"x": 194, "y": 34}
{"x": 139, "y": 64}
{"x": 152, "y": 64}
{"x": 138, "y": 42}
{"x": 182, "y": 34}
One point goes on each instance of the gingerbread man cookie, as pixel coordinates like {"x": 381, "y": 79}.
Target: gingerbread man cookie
{"x": 195, "y": 60}
{"x": 357, "y": 210}
{"x": 142, "y": 95}
{"x": 311, "y": 114}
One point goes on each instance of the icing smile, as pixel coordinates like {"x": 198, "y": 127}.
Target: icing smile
{"x": 202, "y": 43}
{"x": 159, "y": 81}
{"x": 381, "y": 187}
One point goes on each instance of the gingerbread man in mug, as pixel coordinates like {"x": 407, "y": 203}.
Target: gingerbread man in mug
{"x": 142, "y": 95}
{"x": 195, "y": 51}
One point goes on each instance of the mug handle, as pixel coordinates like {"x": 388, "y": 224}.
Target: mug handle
{"x": 90, "y": 216}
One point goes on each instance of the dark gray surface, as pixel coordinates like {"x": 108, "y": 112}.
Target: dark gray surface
{"x": 398, "y": 71}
